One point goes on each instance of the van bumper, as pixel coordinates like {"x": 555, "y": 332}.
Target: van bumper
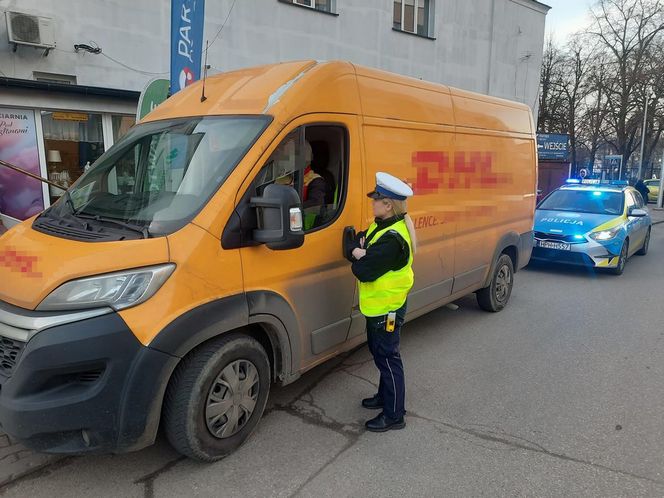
{"x": 84, "y": 387}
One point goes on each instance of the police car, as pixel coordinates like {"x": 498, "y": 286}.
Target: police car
{"x": 598, "y": 225}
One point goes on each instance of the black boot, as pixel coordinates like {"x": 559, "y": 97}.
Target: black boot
{"x": 383, "y": 423}
{"x": 372, "y": 403}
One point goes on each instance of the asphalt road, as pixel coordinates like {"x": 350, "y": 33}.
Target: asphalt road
{"x": 561, "y": 394}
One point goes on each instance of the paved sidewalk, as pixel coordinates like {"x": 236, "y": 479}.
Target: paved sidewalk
{"x": 16, "y": 460}
{"x": 656, "y": 214}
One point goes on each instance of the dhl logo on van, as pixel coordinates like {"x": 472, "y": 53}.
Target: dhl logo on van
{"x": 470, "y": 170}
{"x": 18, "y": 261}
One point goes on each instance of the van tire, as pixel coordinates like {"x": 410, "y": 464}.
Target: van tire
{"x": 204, "y": 373}
{"x": 495, "y": 297}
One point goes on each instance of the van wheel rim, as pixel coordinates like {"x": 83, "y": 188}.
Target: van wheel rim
{"x": 232, "y": 399}
{"x": 623, "y": 257}
{"x": 503, "y": 282}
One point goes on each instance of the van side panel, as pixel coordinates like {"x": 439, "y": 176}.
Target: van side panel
{"x": 400, "y": 151}
{"x": 495, "y": 152}
{"x": 488, "y": 113}
{"x": 385, "y": 95}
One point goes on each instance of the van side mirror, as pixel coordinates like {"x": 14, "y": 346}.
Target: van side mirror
{"x": 279, "y": 215}
{"x": 637, "y": 213}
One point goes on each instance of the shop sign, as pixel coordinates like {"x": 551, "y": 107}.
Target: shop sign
{"x": 20, "y": 196}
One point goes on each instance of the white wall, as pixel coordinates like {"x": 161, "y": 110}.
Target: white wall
{"x": 489, "y": 46}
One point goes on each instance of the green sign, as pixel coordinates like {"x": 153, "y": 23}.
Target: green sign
{"x": 154, "y": 94}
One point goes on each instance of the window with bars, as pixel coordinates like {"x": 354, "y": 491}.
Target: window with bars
{"x": 414, "y": 16}
{"x": 322, "y": 5}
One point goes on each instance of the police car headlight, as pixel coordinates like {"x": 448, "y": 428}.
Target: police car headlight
{"x": 115, "y": 290}
{"x": 604, "y": 235}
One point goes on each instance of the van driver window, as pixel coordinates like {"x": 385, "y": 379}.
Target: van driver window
{"x": 311, "y": 160}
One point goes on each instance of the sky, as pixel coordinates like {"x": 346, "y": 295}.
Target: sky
{"x": 566, "y": 17}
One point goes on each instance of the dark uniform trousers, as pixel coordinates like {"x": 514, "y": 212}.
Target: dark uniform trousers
{"x": 384, "y": 346}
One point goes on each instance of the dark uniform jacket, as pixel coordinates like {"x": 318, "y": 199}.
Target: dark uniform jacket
{"x": 389, "y": 253}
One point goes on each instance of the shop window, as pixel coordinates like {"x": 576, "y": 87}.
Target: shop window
{"x": 413, "y": 16}
{"x": 310, "y": 159}
{"x": 121, "y": 125}
{"x": 73, "y": 141}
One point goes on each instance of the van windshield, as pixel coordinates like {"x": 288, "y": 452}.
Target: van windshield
{"x": 159, "y": 176}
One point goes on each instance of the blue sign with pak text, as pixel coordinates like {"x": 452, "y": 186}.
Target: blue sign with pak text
{"x": 186, "y": 42}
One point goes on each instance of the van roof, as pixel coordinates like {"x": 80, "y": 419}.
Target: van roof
{"x": 290, "y": 89}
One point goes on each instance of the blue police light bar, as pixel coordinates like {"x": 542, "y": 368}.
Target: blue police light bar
{"x": 574, "y": 181}
{"x": 619, "y": 182}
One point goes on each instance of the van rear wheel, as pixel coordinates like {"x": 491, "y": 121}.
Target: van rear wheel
{"x": 216, "y": 397}
{"x": 497, "y": 294}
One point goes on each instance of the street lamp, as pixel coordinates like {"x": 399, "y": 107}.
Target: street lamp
{"x": 643, "y": 134}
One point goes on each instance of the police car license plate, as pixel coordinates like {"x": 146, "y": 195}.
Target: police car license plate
{"x": 549, "y": 244}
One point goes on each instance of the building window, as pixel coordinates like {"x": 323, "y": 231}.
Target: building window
{"x": 73, "y": 141}
{"x": 321, "y": 5}
{"x": 414, "y": 16}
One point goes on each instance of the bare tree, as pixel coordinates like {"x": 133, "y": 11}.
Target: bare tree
{"x": 551, "y": 100}
{"x": 594, "y": 109}
{"x": 653, "y": 88}
{"x": 573, "y": 90}
{"x": 626, "y": 30}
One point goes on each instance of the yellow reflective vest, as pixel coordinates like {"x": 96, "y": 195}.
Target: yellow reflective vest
{"x": 388, "y": 292}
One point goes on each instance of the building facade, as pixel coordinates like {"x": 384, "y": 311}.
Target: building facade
{"x": 60, "y": 108}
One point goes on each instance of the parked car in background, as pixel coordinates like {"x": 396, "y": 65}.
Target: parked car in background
{"x": 599, "y": 226}
{"x": 653, "y": 187}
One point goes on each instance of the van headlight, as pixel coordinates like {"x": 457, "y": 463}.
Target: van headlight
{"x": 115, "y": 290}
{"x": 604, "y": 235}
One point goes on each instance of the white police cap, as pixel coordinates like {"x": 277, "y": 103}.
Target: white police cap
{"x": 390, "y": 187}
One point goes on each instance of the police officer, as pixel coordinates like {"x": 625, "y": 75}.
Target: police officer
{"x": 382, "y": 262}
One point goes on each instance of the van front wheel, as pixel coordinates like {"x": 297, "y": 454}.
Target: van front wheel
{"x": 216, "y": 397}
{"x": 495, "y": 296}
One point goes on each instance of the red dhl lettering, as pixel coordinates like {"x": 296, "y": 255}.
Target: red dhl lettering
{"x": 470, "y": 170}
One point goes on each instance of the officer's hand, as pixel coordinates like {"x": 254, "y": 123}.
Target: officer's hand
{"x": 359, "y": 253}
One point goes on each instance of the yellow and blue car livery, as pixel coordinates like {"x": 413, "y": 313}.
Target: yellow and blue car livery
{"x": 591, "y": 225}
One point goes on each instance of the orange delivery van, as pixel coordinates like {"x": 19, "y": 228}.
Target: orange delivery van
{"x": 190, "y": 268}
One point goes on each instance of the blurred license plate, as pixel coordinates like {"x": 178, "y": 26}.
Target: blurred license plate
{"x": 549, "y": 244}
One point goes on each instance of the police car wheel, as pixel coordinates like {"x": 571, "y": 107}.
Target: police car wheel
{"x": 216, "y": 397}
{"x": 646, "y": 244}
{"x": 495, "y": 297}
{"x": 622, "y": 260}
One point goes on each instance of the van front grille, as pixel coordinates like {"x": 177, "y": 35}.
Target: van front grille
{"x": 10, "y": 352}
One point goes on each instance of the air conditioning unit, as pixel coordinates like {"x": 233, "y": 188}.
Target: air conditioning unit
{"x": 34, "y": 31}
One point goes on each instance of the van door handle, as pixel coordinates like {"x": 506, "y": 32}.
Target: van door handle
{"x": 348, "y": 242}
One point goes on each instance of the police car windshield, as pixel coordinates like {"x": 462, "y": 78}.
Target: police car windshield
{"x": 584, "y": 201}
